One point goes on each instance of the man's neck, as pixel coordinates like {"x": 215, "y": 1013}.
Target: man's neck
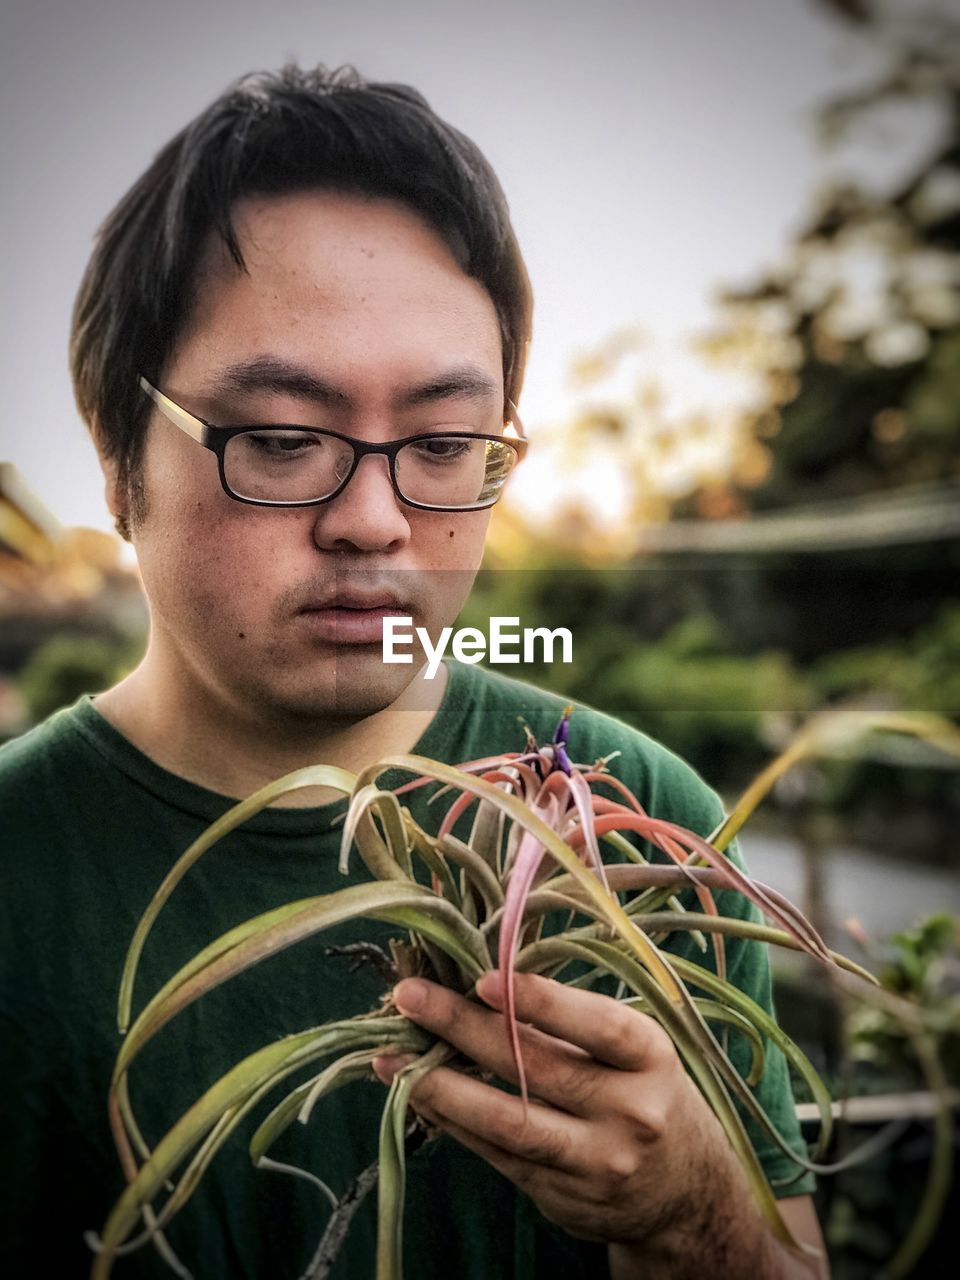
{"x": 204, "y": 742}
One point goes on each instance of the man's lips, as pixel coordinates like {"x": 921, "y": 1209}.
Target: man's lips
{"x": 353, "y": 621}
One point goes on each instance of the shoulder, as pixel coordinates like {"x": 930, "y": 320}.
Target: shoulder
{"x": 661, "y": 780}
{"x": 32, "y": 755}
{"x": 52, "y": 777}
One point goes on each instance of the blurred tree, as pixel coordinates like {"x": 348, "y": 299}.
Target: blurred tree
{"x": 828, "y": 389}
{"x": 837, "y": 373}
{"x": 859, "y": 332}
{"x": 66, "y": 666}
{"x": 867, "y": 301}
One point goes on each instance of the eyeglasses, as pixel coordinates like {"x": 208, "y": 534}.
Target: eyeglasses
{"x": 283, "y": 465}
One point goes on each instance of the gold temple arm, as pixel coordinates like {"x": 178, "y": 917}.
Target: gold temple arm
{"x": 179, "y": 417}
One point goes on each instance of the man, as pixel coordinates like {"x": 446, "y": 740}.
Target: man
{"x": 320, "y": 252}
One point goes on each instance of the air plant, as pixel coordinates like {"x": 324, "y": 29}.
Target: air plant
{"x": 534, "y": 850}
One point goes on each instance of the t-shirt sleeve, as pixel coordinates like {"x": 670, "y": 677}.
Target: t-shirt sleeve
{"x": 670, "y": 789}
{"x": 748, "y": 969}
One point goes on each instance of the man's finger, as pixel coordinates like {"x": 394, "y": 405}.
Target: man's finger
{"x": 532, "y": 1178}
{"x": 562, "y": 1074}
{"x": 537, "y": 1134}
{"x": 609, "y": 1031}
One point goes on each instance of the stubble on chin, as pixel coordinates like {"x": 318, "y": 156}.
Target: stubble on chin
{"x": 347, "y": 691}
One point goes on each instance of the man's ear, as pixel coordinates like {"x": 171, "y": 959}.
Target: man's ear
{"x": 115, "y": 495}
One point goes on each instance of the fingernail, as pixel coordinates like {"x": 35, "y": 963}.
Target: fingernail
{"x": 490, "y": 986}
{"x": 386, "y": 1068}
{"x": 410, "y": 996}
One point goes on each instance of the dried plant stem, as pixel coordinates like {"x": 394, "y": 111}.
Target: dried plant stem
{"x": 336, "y": 1230}
{"x": 365, "y": 953}
{"x": 322, "y": 1262}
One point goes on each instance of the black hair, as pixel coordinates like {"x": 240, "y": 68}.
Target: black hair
{"x": 273, "y": 133}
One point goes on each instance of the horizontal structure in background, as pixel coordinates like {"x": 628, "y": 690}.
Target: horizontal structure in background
{"x": 922, "y": 513}
{"x": 881, "y": 1108}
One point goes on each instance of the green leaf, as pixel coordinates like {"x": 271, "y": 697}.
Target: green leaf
{"x": 386, "y": 858}
{"x": 432, "y": 854}
{"x": 215, "y": 1114}
{"x": 734, "y": 998}
{"x": 312, "y": 776}
{"x": 353, "y": 1066}
{"x": 829, "y": 733}
{"x": 406, "y": 903}
{"x": 391, "y": 1190}
{"x": 476, "y": 870}
{"x": 486, "y": 836}
{"x": 521, "y": 815}
{"x": 668, "y": 921}
{"x": 713, "y": 1011}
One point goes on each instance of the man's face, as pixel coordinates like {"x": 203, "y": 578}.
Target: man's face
{"x": 276, "y": 611}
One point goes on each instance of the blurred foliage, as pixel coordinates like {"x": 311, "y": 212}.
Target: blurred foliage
{"x": 865, "y": 378}
{"x": 924, "y": 968}
{"x": 868, "y": 1209}
{"x": 688, "y": 691}
{"x": 66, "y": 666}
{"x": 685, "y": 679}
{"x": 847, "y": 352}
{"x": 923, "y": 673}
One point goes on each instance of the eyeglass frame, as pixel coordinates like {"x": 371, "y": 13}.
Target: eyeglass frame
{"x": 216, "y": 438}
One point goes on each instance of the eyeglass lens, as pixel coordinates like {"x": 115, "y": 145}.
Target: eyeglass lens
{"x": 286, "y": 465}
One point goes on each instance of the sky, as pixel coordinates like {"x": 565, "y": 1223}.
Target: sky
{"x": 650, "y": 154}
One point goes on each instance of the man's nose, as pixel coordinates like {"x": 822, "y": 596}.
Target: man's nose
{"x": 367, "y": 515}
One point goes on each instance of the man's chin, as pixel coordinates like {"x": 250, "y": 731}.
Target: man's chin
{"x": 355, "y": 690}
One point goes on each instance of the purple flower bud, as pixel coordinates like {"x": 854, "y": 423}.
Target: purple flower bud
{"x": 562, "y": 734}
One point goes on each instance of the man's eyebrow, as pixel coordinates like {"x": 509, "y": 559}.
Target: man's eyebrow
{"x": 271, "y": 374}
{"x": 465, "y": 382}
{"x": 267, "y": 373}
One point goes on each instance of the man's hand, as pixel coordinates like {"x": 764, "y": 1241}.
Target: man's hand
{"x": 617, "y": 1143}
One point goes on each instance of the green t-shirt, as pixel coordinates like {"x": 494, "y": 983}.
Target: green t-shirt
{"x": 91, "y": 826}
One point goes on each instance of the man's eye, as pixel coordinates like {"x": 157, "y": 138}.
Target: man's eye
{"x": 277, "y": 444}
{"x": 444, "y": 449}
